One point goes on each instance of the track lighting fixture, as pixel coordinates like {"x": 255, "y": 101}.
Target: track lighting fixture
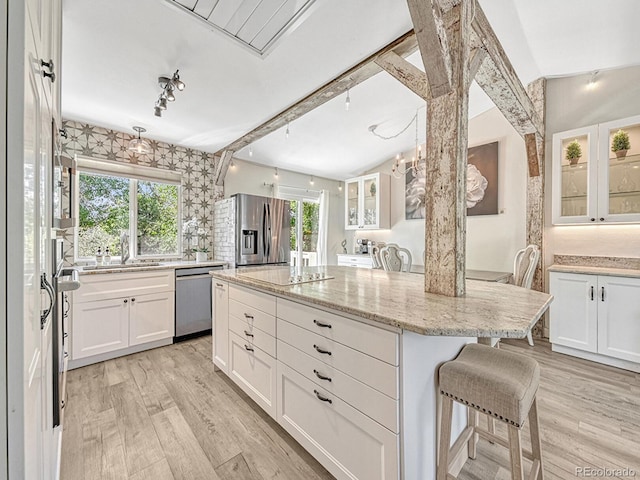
{"x": 347, "y": 101}
{"x": 276, "y": 174}
{"x": 138, "y": 145}
{"x": 340, "y": 186}
{"x": 250, "y": 151}
{"x": 168, "y": 85}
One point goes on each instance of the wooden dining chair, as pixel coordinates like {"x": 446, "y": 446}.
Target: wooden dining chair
{"x": 395, "y": 258}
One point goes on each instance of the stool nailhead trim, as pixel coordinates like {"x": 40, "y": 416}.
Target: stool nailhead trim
{"x": 483, "y": 410}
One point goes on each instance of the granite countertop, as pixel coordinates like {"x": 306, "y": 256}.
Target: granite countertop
{"x": 589, "y": 270}
{"x": 144, "y": 268}
{"x": 398, "y": 299}
{"x": 596, "y": 265}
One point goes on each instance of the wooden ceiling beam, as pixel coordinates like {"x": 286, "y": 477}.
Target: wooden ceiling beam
{"x": 402, "y": 46}
{"x": 406, "y": 73}
{"x": 224, "y": 159}
{"x": 499, "y": 80}
{"x": 434, "y": 47}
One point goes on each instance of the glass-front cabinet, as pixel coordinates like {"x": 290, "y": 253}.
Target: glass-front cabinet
{"x": 367, "y": 202}
{"x": 594, "y": 179}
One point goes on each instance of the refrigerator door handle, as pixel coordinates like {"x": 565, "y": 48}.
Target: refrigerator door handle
{"x": 269, "y": 231}
{"x": 264, "y": 229}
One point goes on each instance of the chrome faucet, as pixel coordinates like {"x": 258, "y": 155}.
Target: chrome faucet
{"x": 124, "y": 247}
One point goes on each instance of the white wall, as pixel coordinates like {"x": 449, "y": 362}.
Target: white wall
{"x": 247, "y": 177}
{"x": 492, "y": 240}
{"x": 571, "y": 105}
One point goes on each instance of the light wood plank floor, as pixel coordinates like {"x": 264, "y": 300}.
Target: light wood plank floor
{"x": 164, "y": 414}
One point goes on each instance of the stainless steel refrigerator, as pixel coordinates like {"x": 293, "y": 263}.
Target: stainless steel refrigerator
{"x": 262, "y": 230}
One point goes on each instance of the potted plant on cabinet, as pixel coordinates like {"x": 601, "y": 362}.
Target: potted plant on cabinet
{"x": 574, "y": 152}
{"x": 620, "y": 144}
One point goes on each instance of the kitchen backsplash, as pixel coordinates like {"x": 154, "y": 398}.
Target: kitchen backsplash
{"x": 197, "y": 168}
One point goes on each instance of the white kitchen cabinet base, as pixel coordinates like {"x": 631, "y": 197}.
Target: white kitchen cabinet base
{"x": 596, "y": 357}
{"x": 329, "y": 428}
{"x": 83, "y": 362}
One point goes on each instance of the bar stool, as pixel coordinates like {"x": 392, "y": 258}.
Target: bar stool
{"x": 503, "y": 386}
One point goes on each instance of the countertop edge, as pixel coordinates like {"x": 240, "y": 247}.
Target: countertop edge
{"x": 341, "y": 310}
{"x": 614, "y": 272}
{"x": 142, "y": 268}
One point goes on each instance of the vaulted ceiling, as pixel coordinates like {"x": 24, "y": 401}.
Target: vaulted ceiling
{"x": 114, "y": 50}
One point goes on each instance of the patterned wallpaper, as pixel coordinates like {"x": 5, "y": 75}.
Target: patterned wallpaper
{"x": 198, "y": 190}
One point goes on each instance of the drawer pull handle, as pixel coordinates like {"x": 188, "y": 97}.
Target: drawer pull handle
{"x": 219, "y": 285}
{"x": 320, "y": 397}
{"x": 248, "y": 348}
{"x": 248, "y": 334}
{"x": 320, "y": 350}
{"x": 320, "y": 324}
{"x": 602, "y": 294}
{"x": 321, "y": 377}
{"x": 592, "y": 293}
{"x": 247, "y": 316}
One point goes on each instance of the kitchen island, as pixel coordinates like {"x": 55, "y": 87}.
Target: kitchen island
{"x": 346, "y": 359}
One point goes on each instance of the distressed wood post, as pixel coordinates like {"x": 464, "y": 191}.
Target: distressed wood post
{"x": 535, "y": 192}
{"x": 445, "y": 199}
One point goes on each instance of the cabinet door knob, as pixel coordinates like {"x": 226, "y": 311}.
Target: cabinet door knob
{"x": 126, "y": 301}
{"x": 593, "y": 219}
{"x": 133, "y": 300}
{"x": 602, "y": 219}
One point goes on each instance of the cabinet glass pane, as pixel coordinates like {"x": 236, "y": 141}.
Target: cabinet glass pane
{"x": 352, "y": 203}
{"x": 624, "y": 174}
{"x": 575, "y": 178}
{"x": 370, "y": 192}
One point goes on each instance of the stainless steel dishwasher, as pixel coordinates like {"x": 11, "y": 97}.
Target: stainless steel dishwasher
{"x": 193, "y": 302}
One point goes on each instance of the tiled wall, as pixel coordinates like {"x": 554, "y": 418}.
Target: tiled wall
{"x": 197, "y": 168}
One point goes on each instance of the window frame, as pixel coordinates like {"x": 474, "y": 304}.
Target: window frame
{"x": 134, "y": 173}
{"x": 299, "y": 195}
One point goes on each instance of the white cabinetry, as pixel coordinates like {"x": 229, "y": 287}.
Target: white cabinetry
{"x": 367, "y": 202}
{"x": 252, "y": 363}
{"x": 600, "y": 187}
{"x": 596, "y": 317}
{"x": 220, "y": 328}
{"x": 338, "y": 390}
{"x": 113, "y": 312}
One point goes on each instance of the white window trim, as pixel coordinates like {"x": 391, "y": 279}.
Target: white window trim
{"x": 300, "y": 195}
{"x": 106, "y": 167}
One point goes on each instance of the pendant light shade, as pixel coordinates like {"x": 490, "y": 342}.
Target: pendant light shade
{"x": 138, "y": 145}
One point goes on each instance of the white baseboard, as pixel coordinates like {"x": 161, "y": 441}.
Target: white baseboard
{"x": 596, "y": 357}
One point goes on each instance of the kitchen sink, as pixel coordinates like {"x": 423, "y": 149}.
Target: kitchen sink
{"x": 117, "y": 266}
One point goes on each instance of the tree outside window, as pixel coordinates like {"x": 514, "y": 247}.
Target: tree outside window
{"x": 106, "y": 206}
{"x": 309, "y": 213}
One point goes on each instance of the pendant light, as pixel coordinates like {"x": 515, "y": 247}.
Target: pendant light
{"x": 138, "y": 145}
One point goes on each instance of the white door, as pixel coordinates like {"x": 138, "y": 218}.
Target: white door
{"x": 151, "y": 317}
{"x": 619, "y": 317}
{"x": 220, "y": 327}
{"x": 573, "y": 313}
{"x": 99, "y": 327}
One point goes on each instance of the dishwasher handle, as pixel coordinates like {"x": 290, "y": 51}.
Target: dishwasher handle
{"x": 193, "y": 277}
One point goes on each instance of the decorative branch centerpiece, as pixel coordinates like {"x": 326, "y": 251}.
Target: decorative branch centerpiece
{"x": 620, "y": 144}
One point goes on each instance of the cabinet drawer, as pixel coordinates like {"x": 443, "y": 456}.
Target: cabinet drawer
{"x": 346, "y": 442}
{"x": 360, "y": 260}
{"x": 253, "y": 317}
{"x": 259, "y": 300}
{"x": 378, "y": 406}
{"x": 253, "y": 336}
{"x": 254, "y": 371}
{"x": 112, "y": 285}
{"x": 373, "y": 341}
{"x": 371, "y": 371}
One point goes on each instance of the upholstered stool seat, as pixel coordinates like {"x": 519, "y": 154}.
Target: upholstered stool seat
{"x": 500, "y": 384}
